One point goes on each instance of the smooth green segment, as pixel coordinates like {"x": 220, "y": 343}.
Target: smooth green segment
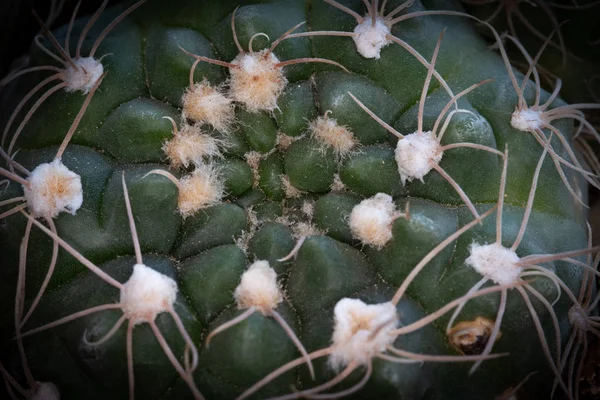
{"x": 209, "y": 279}
{"x": 372, "y": 170}
{"x": 332, "y": 213}
{"x": 325, "y": 271}
{"x": 104, "y": 219}
{"x": 237, "y": 175}
{"x": 297, "y": 107}
{"x": 234, "y": 145}
{"x": 153, "y": 198}
{"x": 211, "y": 227}
{"x": 135, "y": 131}
{"x": 333, "y": 88}
{"x": 309, "y": 166}
{"x": 251, "y": 198}
{"x": 168, "y": 67}
{"x": 241, "y": 355}
{"x": 268, "y": 210}
{"x": 107, "y": 360}
{"x": 413, "y": 239}
{"x": 272, "y": 242}
{"x": 258, "y": 129}
{"x": 271, "y": 170}
{"x": 124, "y": 81}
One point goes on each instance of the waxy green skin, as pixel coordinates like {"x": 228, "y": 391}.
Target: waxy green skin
{"x": 123, "y": 130}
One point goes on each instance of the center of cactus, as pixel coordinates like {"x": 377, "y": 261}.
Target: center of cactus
{"x": 495, "y": 262}
{"x": 415, "y": 154}
{"x": 146, "y": 294}
{"x": 53, "y": 189}
{"x": 361, "y": 331}
{"x": 83, "y": 75}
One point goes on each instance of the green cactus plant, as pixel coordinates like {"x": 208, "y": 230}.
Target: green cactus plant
{"x": 215, "y": 208}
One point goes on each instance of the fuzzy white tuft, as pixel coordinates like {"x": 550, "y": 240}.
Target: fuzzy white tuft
{"x": 257, "y": 81}
{"x": 284, "y": 141}
{"x": 354, "y": 325}
{"x": 579, "y": 318}
{"x": 253, "y": 160}
{"x": 371, "y": 220}
{"x": 495, "y": 262}
{"x": 526, "y": 120}
{"x": 85, "y": 76}
{"x": 337, "y": 185}
{"x": 415, "y": 153}
{"x": 371, "y": 39}
{"x": 53, "y": 188}
{"x": 308, "y": 208}
{"x": 200, "y": 189}
{"x": 305, "y": 229}
{"x": 258, "y": 288}
{"x": 146, "y": 294}
{"x": 206, "y": 104}
{"x": 190, "y": 146}
{"x": 338, "y": 137}
{"x": 46, "y": 391}
{"x": 290, "y": 190}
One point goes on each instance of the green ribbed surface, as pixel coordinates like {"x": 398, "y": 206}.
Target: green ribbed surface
{"x": 123, "y": 130}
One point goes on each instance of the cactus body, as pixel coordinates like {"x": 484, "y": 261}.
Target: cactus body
{"x": 280, "y": 183}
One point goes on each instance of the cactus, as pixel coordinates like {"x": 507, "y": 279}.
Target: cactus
{"x": 291, "y": 199}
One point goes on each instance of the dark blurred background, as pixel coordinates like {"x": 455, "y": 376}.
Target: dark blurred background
{"x": 18, "y": 26}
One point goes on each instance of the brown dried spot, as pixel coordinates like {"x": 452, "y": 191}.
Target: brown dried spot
{"x": 471, "y": 337}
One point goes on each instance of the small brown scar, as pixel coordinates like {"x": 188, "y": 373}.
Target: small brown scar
{"x": 471, "y": 337}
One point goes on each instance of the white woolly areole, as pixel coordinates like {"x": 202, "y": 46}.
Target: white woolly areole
{"x": 495, "y": 262}
{"x": 290, "y": 190}
{"x": 53, "y": 188}
{"x": 339, "y": 137}
{"x": 371, "y": 39}
{"x": 46, "y": 391}
{"x": 579, "y": 318}
{"x": 206, "y": 104}
{"x": 257, "y": 82}
{"x": 258, "y": 288}
{"x": 85, "y": 76}
{"x": 371, "y": 220}
{"x": 190, "y": 146}
{"x": 146, "y": 294}
{"x": 200, "y": 189}
{"x": 354, "y": 323}
{"x": 415, "y": 153}
{"x": 526, "y": 120}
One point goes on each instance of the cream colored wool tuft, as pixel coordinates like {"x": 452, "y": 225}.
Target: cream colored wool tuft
{"x": 258, "y": 288}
